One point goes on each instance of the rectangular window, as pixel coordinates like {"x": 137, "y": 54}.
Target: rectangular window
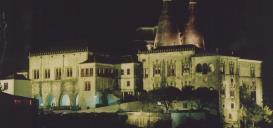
{"x": 58, "y": 73}
{"x": 128, "y": 83}
{"x": 6, "y": 86}
{"x": 69, "y": 72}
{"x": 47, "y": 73}
{"x": 232, "y": 105}
{"x": 87, "y": 73}
{"x": 146, "y": 73}
{"x": 82, "y": 72}
{"x": 156, "y": 69}
{"x": 122, "y": 72}
{"x": 222, "y": 68}
{"x": 185, "y": 68}
{"x": 91, "y": 71}
{"x": 87, "y": 86}
{"x": 231, "y": 68}
{"x": 232, "y": 93}
{"x": 128, "y": 71}
{"x": 36, "y": 74}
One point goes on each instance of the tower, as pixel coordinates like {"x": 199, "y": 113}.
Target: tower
{"x": 167, "y": 33}
{"x": 190, "y": 35}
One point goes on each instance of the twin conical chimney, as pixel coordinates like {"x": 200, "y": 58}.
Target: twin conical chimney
{"x": 168, "y": 33}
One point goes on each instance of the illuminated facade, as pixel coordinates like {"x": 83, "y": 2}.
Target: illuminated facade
{"x": 78, "y": 78}
{"x": 16, "y": 85}
{"x": 181, "y": 66}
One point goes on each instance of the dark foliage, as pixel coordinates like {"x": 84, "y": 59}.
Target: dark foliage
{"x": 90, "y": 120}
{"x": 209, "y": 122}
{"x": 162, "y": 124}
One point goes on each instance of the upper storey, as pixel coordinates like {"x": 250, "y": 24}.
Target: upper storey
{"x": 50, "y": 65}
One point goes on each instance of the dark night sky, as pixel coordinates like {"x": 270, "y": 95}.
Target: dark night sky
{"x": 245, "y": 26}
{"x": 110, "y": 25}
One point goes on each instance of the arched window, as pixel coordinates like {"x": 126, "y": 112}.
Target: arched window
{"x": 229, "y": 116}
{"x": 205, "y": 68}
{"x": 199, "y": 68}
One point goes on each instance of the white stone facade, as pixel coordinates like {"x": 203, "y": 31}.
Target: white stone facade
{"x": 223, "y": 73}
{"x": 68, "y": 78}
{"x": 18, "y": 87}
{"x": 73, "y": 79}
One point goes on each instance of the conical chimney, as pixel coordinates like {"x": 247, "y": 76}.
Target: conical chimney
{"x": 167, "y": 33}
{"x": 190, "y": 33}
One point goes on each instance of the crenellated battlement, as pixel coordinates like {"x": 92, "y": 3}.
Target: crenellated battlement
{"x": 53, "y": 52}
{"x": 169, "y": 49}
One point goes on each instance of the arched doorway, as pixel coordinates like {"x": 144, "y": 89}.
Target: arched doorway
{"x": 51, "y": 101}
{"x": 40, "y": 100}
{"x": 65, "y": 100}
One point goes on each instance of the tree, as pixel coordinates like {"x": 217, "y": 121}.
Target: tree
{"x": 165, "y": 95}
{"x": 251, "y": 112}
{"x": 187, "y": 93}
{"x": 145, "y": 98}
{"x": 162, "y": 124}
{"x": 206, "y": 97}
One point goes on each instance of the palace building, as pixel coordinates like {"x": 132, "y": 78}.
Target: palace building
{"x": 80, "y": 77}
